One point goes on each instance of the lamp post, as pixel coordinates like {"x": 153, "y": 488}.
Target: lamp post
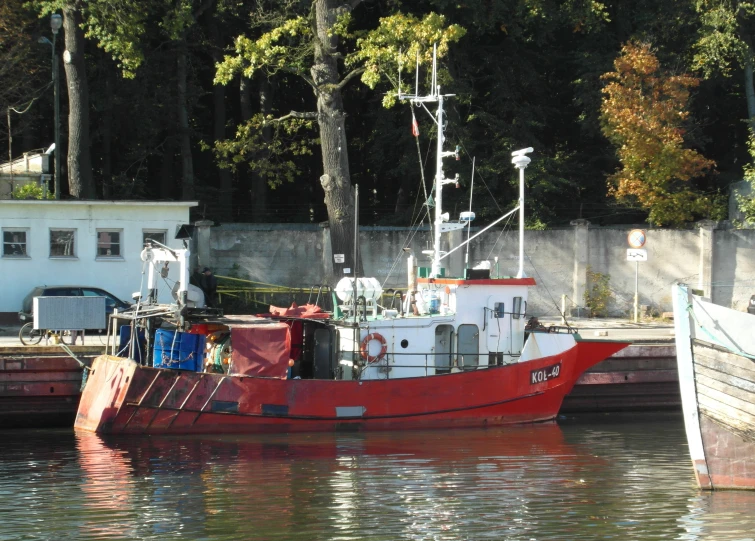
{"x": 56, "y": 21}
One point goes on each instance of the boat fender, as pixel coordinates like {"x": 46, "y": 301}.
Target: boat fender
{"x": 365, "y": 349}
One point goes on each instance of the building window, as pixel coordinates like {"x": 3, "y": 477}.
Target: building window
{"x": 14, "y": 242}
{"x": 109, "y": 243}
{"x": 62, "y": 243}
{"x": 157, "y": 235}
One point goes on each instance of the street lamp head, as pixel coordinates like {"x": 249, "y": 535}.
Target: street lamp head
{"x": 56, "y": 21}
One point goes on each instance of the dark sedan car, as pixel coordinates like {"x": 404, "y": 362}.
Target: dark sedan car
{"x": 111, "y": 301}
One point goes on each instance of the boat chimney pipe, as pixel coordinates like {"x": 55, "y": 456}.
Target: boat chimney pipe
{"x": 520, "y": 161}
{"x": 411, "y": 263}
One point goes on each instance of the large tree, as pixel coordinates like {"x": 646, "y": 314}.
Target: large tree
{"x": 120, "y": 28}
{"x": 80, "y": 179}
{"x": 644, "y": 114}
{"x": 312, "y": 47}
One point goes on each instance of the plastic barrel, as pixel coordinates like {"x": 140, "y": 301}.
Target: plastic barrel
{"x": 124, "y": 337}
{"x": 433, "y": 302}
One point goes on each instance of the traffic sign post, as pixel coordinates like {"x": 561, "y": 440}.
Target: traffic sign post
{"x": 636, "y": 240}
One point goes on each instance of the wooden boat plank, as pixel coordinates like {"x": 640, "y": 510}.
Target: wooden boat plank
{"x": 728, "y": 415}
{"x": 737, "y": 386}
{"x": 703, "y": 353}
{"x": 727, "y": 395}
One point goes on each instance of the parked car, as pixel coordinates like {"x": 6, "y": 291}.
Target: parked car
{"x": 111, "y": 301}
{"x": 751, "y": 305}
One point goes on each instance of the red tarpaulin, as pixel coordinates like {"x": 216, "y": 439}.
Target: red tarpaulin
{"x": 309, "y": 311}
{"x": 261, "y": 350}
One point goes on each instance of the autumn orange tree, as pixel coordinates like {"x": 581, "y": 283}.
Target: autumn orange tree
{"x": 644, "y": 113}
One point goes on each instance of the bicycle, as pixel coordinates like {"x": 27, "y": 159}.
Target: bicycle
{"x": 30, "y": 336}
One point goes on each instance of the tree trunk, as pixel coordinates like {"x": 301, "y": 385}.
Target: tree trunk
{"x": 187, "y": 162}
{"x": 107, "y": 136}
{"x": 167, "y": 180}
{"x": 336, "y": 179}
{"x": 80, "y": 181}
{"x": 246, "y": 98}
{"x": 742, "y": 21}
{"x": 259, "y": 184}
{"x": 750, "y": 92}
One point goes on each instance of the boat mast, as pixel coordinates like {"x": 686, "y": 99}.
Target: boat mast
{"x": 440, "y": 180}
{"x": 435, "y": 270}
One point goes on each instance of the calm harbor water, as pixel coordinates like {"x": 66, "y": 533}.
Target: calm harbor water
{"x": 584, "y": 478}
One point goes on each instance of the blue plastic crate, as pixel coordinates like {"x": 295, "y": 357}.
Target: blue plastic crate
{"x": 178, "y": 350}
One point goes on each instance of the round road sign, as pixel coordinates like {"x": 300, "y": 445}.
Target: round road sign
{"x": 636, "y": 238}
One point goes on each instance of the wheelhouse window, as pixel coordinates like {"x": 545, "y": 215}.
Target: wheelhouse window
{"x": 14, "y": 242}
{"x": 109, "y": 243}
{"x": 516, "y": 311}
{"x": 156, "y": 235}
{"x": 62, "y": 243}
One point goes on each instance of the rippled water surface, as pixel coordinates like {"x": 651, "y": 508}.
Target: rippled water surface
{"x": 586, "y": 478}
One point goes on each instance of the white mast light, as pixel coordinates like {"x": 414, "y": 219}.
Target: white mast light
{"x": 521, "y": 161}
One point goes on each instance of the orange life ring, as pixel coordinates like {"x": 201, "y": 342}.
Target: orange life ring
{"x": 365, "y": 349}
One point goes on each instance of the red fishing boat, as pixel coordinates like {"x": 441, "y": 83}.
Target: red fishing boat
{"x": 457, "y": 352}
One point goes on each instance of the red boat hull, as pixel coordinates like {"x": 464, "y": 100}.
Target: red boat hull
{"x": 124, "y": 397}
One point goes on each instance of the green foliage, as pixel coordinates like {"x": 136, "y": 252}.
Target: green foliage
{"x": 272, "y": 158}
{"x": 397, "y": 40}
{"x": 598, "y": 293}
{"x": 287, "y": 47}
{"x": 31, "y": 191}
{"x": 535, "y": 224}
{"x": 234, "y": 271}
{"x": 401, "y": 40}
{"x": 747, "y": 204}
{"x": 724, "y": 36}
{"x": 117, "y": 26}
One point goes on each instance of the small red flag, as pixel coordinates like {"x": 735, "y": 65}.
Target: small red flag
{"x": 415, "y": 127}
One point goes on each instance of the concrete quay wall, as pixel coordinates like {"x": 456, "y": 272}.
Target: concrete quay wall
{"x": 712, "y": 257}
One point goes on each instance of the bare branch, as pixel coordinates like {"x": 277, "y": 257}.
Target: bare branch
{"x": 308, "y": 115}
{"x": 349, "y": 76}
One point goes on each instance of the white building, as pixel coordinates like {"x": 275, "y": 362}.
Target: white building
{"x": 93, "y": 243}
{"x": 31, "y": 168}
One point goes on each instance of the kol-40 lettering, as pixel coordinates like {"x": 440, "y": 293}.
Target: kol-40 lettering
{"x": 544, "y": 374}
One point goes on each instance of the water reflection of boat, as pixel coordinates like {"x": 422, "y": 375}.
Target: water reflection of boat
{"x": 457, "y": 352}
{"x": 197, "y": 451}
{"x": 716, "y": 361}
{"x": 288, "y": 483}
